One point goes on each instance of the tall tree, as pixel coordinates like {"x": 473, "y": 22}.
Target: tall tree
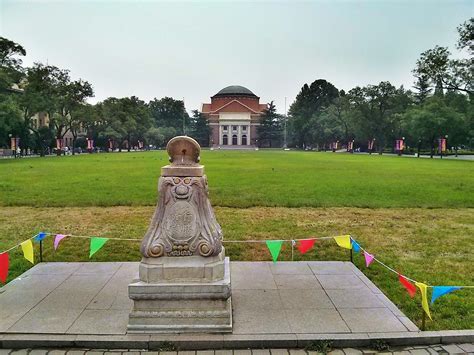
{"x": 270, "y": 131}
{"x": 200, "y": 129}
{"x": 11, "y": 69}
{"x": 422, "y": 87}
{"x": 376, "y": 109}
{"x": 309, "y": 103}
{"x": 168, "y": 112}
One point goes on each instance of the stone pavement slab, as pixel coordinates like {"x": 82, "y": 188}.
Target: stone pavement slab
{"x": 280, "y": 301}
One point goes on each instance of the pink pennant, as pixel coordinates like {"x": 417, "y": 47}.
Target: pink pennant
{"x": 57, "y": 239}
{"x": 368, "y": 258}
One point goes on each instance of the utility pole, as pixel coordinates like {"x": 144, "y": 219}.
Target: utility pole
{"x": 184, "y": 118}
{"x": 284, "y": 131}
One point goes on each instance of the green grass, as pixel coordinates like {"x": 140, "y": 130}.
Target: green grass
{"x": 243, "y": 179}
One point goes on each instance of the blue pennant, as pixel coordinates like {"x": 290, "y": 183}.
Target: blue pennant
{"x": 439, "y": 291}
{"x": 40, "y": 236}
{"x": 355, "y": 246}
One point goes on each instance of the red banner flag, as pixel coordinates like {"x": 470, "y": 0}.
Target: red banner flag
{"x": 3, "y": 267}
{"x": 305, "y": 245}
{"x": 408, "y": 285}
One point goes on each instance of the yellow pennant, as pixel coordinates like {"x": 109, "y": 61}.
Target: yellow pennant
{"x": 27, "y": 247}
{"x": 424, "y": 297}
{"x": 344, "y": 241}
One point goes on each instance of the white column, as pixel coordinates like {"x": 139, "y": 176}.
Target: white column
{"x": 239, "y": 135}
{"x": 248, "y": 135}
{"x": 220, "y": 133}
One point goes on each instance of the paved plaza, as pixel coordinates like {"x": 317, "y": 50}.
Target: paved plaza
{"x": 282, "y": 298}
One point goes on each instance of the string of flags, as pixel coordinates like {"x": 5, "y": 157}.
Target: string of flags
{"x": 274, "y": 247}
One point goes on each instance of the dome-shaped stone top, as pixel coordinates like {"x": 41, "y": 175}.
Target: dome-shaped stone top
{"x": 235, "y": 90}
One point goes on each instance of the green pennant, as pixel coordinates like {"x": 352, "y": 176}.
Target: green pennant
{"x": 274, "y": 246}
{"x": 96, "y": 244}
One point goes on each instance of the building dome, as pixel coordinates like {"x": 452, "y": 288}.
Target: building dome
{"x": 235, "y": 90}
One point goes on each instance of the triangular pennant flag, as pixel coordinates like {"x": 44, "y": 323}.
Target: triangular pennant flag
{"x": 274, "y": 246}
{"x": 27, "y": 247}
{"x": 439, "y": 291}
{"x": 424, "y": 297}
{"x": 40, "y": 236}
{"x": 344, "y": 241}
{"x": 57, "y": 239}
{"x": 408, "y": 285}
{"x": 96, "y": 244}
{"x": 368, "y": 258}
{"x": 355, "y": 246}
{"x": 305, "y": 245}
{"x": 3, "y": 267}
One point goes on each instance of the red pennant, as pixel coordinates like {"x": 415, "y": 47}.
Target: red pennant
{"x": 305, "y": 245}
{"x": 3, "y": 267}
{"x": 408, "y": 285}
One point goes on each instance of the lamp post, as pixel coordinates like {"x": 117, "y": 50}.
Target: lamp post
{"x": 284, "y": 130}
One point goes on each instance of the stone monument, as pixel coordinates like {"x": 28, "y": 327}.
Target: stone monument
{"x": 184, "y": 276}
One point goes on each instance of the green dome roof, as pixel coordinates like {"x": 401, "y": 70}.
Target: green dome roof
{"x": 235, "y": 90}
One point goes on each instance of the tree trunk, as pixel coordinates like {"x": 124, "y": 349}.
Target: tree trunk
{"x": 74, "y": 138}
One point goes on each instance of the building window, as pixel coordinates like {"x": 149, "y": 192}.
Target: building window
{"x": 234, "y": 139}
{"x": 224, "y": 139}
{"x": 234, "y": 128}
{"x": 225, "y": 128}
{"x": 244, "y": 140}
{"x": 244, "y": 128}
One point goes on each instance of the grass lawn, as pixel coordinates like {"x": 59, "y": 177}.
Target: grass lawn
{"x": 432, "y": 244}
{"x": 243, "y": 179}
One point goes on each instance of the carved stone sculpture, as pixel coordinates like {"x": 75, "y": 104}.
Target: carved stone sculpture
{"x": 184, "y": 277}
{"x": 184, "y": 223}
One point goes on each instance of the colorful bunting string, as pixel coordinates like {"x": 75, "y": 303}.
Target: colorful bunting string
{"x": 274, "y": 246}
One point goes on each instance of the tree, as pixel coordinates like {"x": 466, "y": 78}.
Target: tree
{"x": 11, "y": 70}
{"x": 200, "y": 129}
{"x": 83, "y": 117}
{"x": 168, "y": 112}
{"x": 270, "y": 132}
{"x": 126, "y": 119}
{"x": 466, "y": 36}
{"x": 155, "y": 137}
{"x": 10, "y": 120}
{"x": 435, "y": 119}
{"x": 423, "y": 90}
{"x": 377, "y": 109}
{"x": 450, "y": 74}
{"x": 309, "y": 103}
{"x": 337, "y": 120}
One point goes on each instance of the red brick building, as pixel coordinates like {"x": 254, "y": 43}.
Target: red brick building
{"x": 234, "y": 115}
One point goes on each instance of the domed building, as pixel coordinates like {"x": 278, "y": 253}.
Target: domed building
{"x": 234, "y": 115}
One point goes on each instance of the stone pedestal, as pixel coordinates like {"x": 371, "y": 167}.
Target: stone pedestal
{"x": 184, "y": 277}
{"x": 182, "y": 298}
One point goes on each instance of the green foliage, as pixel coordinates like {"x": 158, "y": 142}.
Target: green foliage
{"x": 200, "y": 129}
{"x": 270, "y": 131}
{"x": 309, "y": 103}
{"x": 168, "y": 112}
{"x": 10, "y": 119}
{"x": 11, "y": 70}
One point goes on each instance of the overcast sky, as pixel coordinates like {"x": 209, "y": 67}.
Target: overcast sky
{"x": 193, "y": 49}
